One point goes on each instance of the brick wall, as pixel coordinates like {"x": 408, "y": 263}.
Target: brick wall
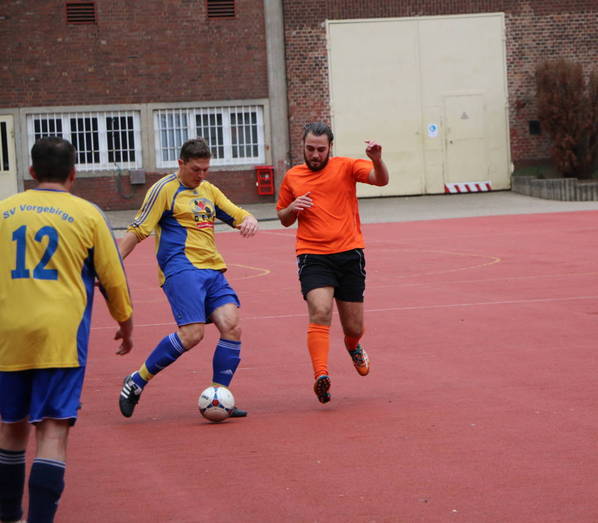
{"x": 535, "y": 30}
{"x": 138, "y": 52}
{"x": 116, "y": 193}
{"x": 152, "y": 51}
{"x": 534, "y": 34}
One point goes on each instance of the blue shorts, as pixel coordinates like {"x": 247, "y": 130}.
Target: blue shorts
{"x": 195, "y": 294}
{"x": 38, "y": 394}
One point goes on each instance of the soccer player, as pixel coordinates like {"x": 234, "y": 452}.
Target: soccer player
{"x": 181, "y": 208}
{"x": 321, "y": 195}
{"x": 53, "y": 247}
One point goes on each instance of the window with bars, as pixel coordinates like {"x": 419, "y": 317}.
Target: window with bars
{"x": 244, "y": 134}
{"x": 120, "y": 134}
{"x": 103, "y": 140}
{"x": 235, "y": 134}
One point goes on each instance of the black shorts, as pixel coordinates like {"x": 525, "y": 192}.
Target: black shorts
{"x": 345, "y": 271}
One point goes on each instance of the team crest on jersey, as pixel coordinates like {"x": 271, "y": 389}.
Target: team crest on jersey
{"x": 203, "y": 213}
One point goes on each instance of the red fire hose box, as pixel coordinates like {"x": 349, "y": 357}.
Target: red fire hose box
{"x": 264, "y": 179}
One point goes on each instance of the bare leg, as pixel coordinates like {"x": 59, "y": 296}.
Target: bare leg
{"x": 14, "y": 436}
{"x": 351, "y": 316}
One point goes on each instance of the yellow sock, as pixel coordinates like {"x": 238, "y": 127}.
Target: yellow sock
{"x": 145, "y": 374}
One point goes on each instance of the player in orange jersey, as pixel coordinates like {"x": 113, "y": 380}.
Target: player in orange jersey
{"x": 321, "y": 195}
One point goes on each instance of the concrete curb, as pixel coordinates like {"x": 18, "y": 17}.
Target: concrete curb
{"x": 564, "y": 189}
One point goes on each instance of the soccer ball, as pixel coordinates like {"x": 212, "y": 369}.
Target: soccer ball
{"x": 216, "y": 403}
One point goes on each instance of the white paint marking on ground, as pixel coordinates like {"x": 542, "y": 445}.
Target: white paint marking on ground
{"x": 394, "y": 309}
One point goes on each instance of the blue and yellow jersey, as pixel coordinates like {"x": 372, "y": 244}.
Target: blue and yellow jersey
{"x": 53, "y": 245}
{"x": 183, "y": 220}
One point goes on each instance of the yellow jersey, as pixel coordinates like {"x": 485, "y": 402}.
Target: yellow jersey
{"x": 183, "y": 220}
{"x": 53, "y": 246}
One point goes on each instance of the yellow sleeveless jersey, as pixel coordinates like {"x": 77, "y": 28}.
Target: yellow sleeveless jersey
{"x": 183, "y": 220}
{"x": 53, "y": 245}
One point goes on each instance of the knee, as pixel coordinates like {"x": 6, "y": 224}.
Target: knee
{"x": 231, "y": 332}
{"x": 14, "y": 436}
{"x": 353, "y": 331}
{"x": 321, "y": 315}
{"x": 236, "y": 332}
{"x": 352, "y": 326}
{"x": 190, "y": 336}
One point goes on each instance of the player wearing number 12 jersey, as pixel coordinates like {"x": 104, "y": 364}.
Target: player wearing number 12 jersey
{"x": 53, "y": 247}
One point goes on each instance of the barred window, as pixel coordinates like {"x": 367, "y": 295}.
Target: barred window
{"x": 244, "y": 134}
{"x": 103, "y": 140}
{"x": 47, "y": 127}
{"x": 209, "y": 126}
{"x": 120, "y": 133}
{"x": 235, "y": 134}
{"x": 173, "y": 132}
{"x": 85, "y": 139}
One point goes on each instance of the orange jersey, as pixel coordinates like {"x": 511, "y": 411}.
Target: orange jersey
{"x": 332, "y": 224}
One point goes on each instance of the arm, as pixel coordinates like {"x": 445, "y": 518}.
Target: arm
{"x": 147, "y": 216}
{"x": 127, "y": 244}
{"x": 288, "y": 215}
{"x": 379, "y": 174}
{"x": 113, "y": 283}
{"x": 234, "y": 215}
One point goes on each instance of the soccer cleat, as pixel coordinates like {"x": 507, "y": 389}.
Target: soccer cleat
{"x": 238, "y": 413}
{"x": 361, "y": 361}
{"x": 129, "y": 396}
{"x": 321, "y": 388}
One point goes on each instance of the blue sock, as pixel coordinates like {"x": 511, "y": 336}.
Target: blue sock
{"x": 12, "y": 483}
{"x": 226, "y": 360}
{"x": 165, "y": 353}
{"x": 46, "y": 483}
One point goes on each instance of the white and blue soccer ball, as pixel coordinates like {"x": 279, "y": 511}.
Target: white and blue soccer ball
{"x": 216, "y": 403}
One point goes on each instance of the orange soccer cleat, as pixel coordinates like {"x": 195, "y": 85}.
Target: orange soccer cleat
{"x": 361, "y": 361}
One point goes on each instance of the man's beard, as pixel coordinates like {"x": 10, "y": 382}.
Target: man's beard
{"x": 320, "y": 166}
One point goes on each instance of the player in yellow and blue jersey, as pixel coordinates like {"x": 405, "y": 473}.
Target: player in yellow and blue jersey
{"x": 181, "y": 209}
{"x": 53, "y": 247}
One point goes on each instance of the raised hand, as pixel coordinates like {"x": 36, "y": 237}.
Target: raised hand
{"x": 373, "y": 150}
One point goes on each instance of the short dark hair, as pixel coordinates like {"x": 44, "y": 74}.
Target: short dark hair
{"x": 53, "y": 159}
{"x": 195, "y": 148}
{"x": 318, "y": 129}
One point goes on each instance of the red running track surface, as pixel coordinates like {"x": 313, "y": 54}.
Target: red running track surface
{"x": 480, "y": 406}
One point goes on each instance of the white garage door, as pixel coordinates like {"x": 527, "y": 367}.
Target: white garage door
{"x": 431, "y": 90}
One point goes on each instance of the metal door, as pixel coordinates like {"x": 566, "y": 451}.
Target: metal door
{"x": 431, "y": 90}
{"x": 375, "y": 95}
{"x": 465, "y": 150}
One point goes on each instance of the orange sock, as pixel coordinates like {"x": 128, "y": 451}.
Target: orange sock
{"x": 318, "y": 343}
{"x": 351, "y": 343}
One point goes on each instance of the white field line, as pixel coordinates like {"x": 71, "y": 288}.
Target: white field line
{"x": 393, "y": 309}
